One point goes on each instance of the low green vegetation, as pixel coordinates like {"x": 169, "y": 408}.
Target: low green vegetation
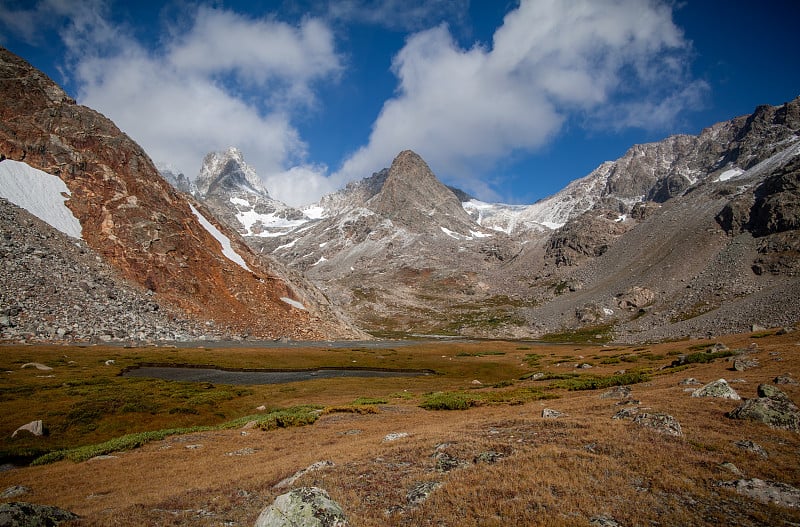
{"x": 449, "y": 401}
{"x": 480, "y": 353}
{"x": 591, "y": 334}
{"x": 283, "y": 418}
{"x": 704, "y": 357}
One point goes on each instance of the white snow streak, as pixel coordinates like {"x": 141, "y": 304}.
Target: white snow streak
{"x": 227, "y": 249}
{"x": 293, "y": 303}
{"x": 40, "y": 193}
{"x": 730, "y": 174}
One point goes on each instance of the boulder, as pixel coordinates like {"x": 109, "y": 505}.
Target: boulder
{"x": 21, "y": 514}
{"x": 636, "y": 297}
{"x": 772, "y": 407}
{"x": 785, "y": 379}
{"x": 306, "y": 506}
{"x": 661, "y": 423}
{"x": 421, "y": 491}
{"x": 719, "y": 388}
{"x": 288, "y": 482}
{"x": 752, "y": 447}
{"x": 617, "y": 392}
{"x": 766, "y": 491}
{"x": 549, "y": 413}
{"x": 34, "y": 427}
{"x": 744, "y": 362}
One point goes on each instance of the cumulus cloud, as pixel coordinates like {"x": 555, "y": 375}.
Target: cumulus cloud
{"x": 221, "y": 79}
{"x": 616, "y": 63}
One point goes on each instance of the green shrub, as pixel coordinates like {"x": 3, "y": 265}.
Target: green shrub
{"x": 449, "y": 401}
{"x": 370, "y": 401}
{"x": 594, "y": 382}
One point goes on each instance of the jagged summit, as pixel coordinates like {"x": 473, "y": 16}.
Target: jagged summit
{"x": 227, "y": 172}
{"x": 412, "y": 196}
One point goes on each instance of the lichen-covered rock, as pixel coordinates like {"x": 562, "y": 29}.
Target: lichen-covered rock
{"x": 719, "y": 388}
{"x": 772, "y": 407}
{"x": 617, "y": 392}
{"x": 549, "y": 413}
{"x": 306, "y": 506}
{"x": 661, "y": 423}
{"x": 34, "y": 427}
{"x": 21, "y": 514}
{"x": 766, "y": 491}
{"x": 744, "y": 362}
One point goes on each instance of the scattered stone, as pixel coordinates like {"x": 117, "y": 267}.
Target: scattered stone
{"x": 743, "y": 362}
{"x": 719, "y": 389}
{"x": 288, "y": 482}
{"x": 549, "y": 413}
{"x": 603, "y": 521}
{"x": 626, "y": 413}
{"x": 247, "y": 451}
{"x": 351, "y": 432}
{"x": 306, "y": 506}
{"x": 772, "y": 407}
{"x": 103, "y": 457}
{"x": 690, "y": 381}
{"x": 193, "y": 447}
{"x": 488, "y": 457}
{"x": 766, "y": 491}
{"x": 617, "y": 392}
{"x": 421, "y": 492}
{"x": 394, "y": 436}
{"x": 14, "y": 491}
{"x": 476, "y": 382}
{"x": 719, "y": 346}
{"x": 661, "y": 423}
{"x": 261, "y": 408}
{"x": 34, "y": 427}
{"x": 750, "y": 446}
{"x": 785, "y": 379}
{"x": 730, "y": 467}
{"x": 445, "y": 462}
{"x": 37, "y": 365}
{"x": 21, "y": 514}
{"x": 110, "y": 362}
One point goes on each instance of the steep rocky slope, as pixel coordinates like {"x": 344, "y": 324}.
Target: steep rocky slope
{"x": 140, "y": 224}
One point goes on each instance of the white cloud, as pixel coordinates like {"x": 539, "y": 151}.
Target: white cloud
{"x": 301, "y": 184}
{"x": 220, "y": 79}
{"x": 465, "y": 109}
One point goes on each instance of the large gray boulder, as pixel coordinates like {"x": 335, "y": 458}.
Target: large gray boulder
{"x": 766, "y": 491}
{"x": 21, "y": 514}
{"x": 306, "y": 507}
{"x": 772, "y": 407}
{"x": 719, "y": 388}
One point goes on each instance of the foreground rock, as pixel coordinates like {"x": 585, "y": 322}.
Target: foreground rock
{"x": 766, "y": 491}
{"x": 306, "y": 506}
{"x": 772, "y": 407}
{"x": 21, "y": 514}
{"x": 719, "y": 389}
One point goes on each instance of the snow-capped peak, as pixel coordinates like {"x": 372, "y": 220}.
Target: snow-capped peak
{"x": 228, "y": 170}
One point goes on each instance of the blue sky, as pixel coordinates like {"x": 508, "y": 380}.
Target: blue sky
{"x": 507, "y": 100}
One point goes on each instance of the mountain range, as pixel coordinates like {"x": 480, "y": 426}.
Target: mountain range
{"x": 689, "y": 236}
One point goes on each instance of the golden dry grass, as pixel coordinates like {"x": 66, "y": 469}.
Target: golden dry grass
{"x": 549, "y": 472}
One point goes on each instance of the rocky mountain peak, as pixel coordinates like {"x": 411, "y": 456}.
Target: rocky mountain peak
{"x": 227, "y": 172}
{"x": 412, "y": 196}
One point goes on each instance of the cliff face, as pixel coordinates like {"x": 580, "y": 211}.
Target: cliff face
{"x": 133, "y": 218}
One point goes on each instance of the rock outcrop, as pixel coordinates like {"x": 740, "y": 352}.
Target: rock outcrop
{"x": 772, "y": 407}
{"x": 307, "y": 506}
{"x": 20, "y": 514}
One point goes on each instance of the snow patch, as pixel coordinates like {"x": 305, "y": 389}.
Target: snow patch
{"x": 241, "y": 202}
{"x": 322, "y": 259}
{"x": 451, "y": 233}
{"x": 607, "y": 311}
{"x": 224, "y": 241}
{"x": 314, "y": 212}
{"x": 730, "y": 174}
{"x": 621, "y": 217}
{"x": 293, "y": 303}
{"x": 552, "y": 225}
{"x": 40, "y": 193}
{"x": 286, "y": 245}
{"x": 476, "y": 234}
